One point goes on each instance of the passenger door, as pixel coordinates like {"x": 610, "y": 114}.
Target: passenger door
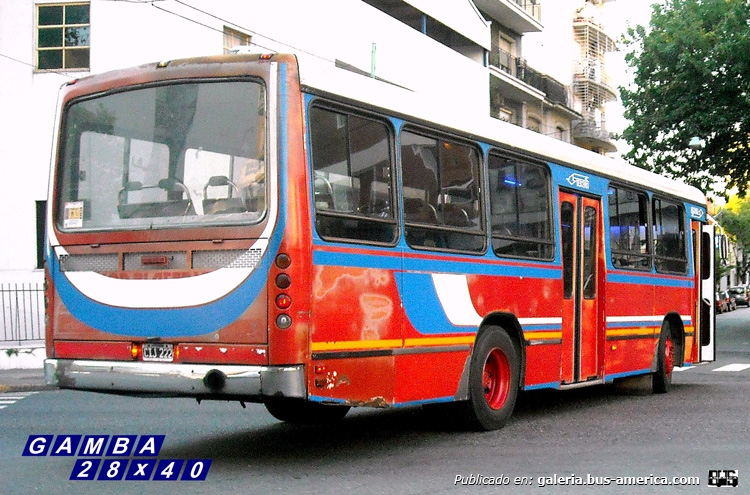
{"x": 580, "y": 226}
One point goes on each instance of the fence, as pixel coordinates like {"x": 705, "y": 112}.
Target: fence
{"x": 23, "y": 313}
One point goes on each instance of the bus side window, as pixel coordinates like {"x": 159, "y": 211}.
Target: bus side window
{"x": 352, "y": 177}
{"x": 441, "y": 194}
{"x": 520, "y": 209}
{"x": 670, "y": 250}
{"x": 628, "y": 229}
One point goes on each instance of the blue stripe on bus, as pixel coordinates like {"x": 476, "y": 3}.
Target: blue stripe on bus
{"x": 473, "y": 267}
{"x": 330, "y": 258}
{"x": 447, "y": 263}
{"x": 615, "y": 376}
{"x": 437, "y": 400}
{"x": 172, "y": 322}
{"x": 423, "y": 308}
{"x": 555, "y": 385}
{"x": 635, "y": 324}
{"x": 658, "y": 281}
{"x": 541, "y": 328}
{"x": 411, "y": 403}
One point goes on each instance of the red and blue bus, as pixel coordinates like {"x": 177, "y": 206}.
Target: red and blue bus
{"x": 239, "y": 228}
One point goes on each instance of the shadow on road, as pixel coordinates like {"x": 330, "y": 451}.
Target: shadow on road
{"x": 377, "y": 433}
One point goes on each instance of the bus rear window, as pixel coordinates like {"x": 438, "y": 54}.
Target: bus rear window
{"x": 164, "y": 156}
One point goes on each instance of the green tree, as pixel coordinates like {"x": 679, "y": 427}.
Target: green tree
{"x": 691, "y": 78}
{"x": 735, "y": 220}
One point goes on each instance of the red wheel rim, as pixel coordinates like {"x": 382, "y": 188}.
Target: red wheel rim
{"x": 668, "y": 356}
{"x": 496, "y": 379}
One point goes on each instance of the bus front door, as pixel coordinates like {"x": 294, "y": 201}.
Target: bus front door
{"x": 580, "y": 220}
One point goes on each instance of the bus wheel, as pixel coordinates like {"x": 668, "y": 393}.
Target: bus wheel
{"x": 662, "y": 377}
{"x": 493, "y": 380}
{"x": 300, "y": 411}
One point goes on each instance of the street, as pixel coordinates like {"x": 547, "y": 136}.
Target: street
{"x": 619, "y": 440}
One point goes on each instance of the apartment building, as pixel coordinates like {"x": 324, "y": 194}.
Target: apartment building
{"x": 469, "y": 53}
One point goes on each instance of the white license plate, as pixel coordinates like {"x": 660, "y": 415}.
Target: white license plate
{"x": 158, "y": 352}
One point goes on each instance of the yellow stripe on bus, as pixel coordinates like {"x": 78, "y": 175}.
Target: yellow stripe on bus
{"x": 633, "y": 331}
{"x": 390, "y": 344}
{"x": 351, "y": 345}
{"x": 428, "y": 341}
{"x": 355, "y": 345}
{"x": 542, "y": 335}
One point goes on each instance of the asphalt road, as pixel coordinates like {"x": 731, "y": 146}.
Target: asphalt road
{"x": 555, "y": 441}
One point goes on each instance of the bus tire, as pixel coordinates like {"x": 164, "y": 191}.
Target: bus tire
{"x": 494, "y": 374}
{"x": 662, "y": 377}
{"x": 299, "y": 411}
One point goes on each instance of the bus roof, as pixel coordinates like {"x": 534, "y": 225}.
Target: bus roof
{"x": 451, "y": 114}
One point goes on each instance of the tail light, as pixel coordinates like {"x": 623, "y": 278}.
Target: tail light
{"x": 283, "y": 281}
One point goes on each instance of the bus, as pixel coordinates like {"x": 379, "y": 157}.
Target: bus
{"x": 256, "y": 228}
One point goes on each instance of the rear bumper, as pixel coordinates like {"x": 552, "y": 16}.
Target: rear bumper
{"x": 170, "y": 379}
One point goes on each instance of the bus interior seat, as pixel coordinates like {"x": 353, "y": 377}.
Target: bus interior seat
{"x": 419, "y": 211}
{"x": 152, "y": 209}
{"x": 230, "y": 204}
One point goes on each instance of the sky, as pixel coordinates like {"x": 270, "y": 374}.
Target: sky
{"x": 618, "y": 16}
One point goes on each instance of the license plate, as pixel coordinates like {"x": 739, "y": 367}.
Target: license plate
{"x": 158, "y": 352}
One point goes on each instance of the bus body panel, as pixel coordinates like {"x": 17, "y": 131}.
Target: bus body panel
{"x": 294, "y": 314}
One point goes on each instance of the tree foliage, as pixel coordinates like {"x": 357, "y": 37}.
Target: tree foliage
{"x": 691, "y": 78}
{"x": 735, "y": 219}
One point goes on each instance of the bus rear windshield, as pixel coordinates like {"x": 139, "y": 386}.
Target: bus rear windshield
{"x": 164, "y": 156}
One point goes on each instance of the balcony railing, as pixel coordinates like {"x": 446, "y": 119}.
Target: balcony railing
{"x": 518, "y": 68}
{"x": 593, "y": 131}
{"x": 592, "y": 71}
{"x": 588, "y": 30}
{"x": 532, "y": 7}
{"x": 591, "y": 128}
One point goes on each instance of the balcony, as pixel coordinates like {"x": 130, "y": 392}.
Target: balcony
{"x": 520, "y": 16}
{"x": 592, "y": 134}
{"x": 554, "y": 91}
{"x": 591, "y": 84}
{"x": 592, "y": 36}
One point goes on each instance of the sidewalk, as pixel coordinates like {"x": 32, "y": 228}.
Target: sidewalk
{"x": 23, "y": 380}
{"x": 22, "y": 369}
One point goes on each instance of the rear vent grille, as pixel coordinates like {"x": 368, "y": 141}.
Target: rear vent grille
{"x": 231, "y": 258}
{"x": 176, "y": 260}
{"x": 89, "y": 262}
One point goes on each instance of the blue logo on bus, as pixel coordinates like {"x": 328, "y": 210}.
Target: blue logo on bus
{"x": 579, "y": 180}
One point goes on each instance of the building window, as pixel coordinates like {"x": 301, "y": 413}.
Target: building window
{"x": 41, "y": 208}
{"x": 63, "y": 36}
{"x": 505, "y": 115}
{"x": 534, "y": 124}
{"x": 234, "y": 39}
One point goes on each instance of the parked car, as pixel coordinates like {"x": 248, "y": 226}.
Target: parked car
{"x": 731, "y": 305}
{"x": 741, "y": 295}
{"x": 721, "y": 303}
{"x": 732, "y": 301}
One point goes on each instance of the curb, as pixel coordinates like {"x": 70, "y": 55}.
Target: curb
{"x": 4, "y": 389}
